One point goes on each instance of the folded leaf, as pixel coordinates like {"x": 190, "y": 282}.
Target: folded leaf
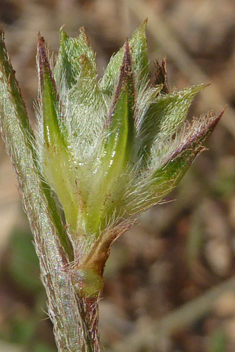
{"x": 68, "y": 66}
{"x": 165, "y": 115}
{"x": 109, "y": 173}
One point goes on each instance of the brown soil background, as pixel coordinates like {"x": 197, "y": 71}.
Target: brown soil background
{"x": 170, "y": 283}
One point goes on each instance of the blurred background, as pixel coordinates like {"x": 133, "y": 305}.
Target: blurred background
{"x": 169, "y": 282}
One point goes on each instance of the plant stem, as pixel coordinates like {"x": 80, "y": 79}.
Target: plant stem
{"x": 73, "y": 318}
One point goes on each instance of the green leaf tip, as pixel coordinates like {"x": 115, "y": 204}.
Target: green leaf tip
{"x": 126, "y": 84}
{"x": 140, "y": 62}
{"x": 49, "y": 98}
{"x": 68, "y": 66}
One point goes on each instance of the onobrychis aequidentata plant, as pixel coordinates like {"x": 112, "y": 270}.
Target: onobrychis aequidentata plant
{"x": 105, "y": 150}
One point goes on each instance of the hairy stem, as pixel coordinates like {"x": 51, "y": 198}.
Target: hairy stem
{"x": 73, "y": 317}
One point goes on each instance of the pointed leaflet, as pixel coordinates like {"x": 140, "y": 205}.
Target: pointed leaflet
{"x": 157, "y": 184}
{"x": 111, "y": 168}
{"x": 10, "y": 92}
{"x": 140, "y": 60}
{"x": 68, "y": 66}
{"x": 164, "y": 116}
{"x": 139, "y": 52}
{"x": 49, "y": 99}
{"x": 56, "y": 157}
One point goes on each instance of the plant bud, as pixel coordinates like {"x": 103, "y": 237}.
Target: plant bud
{"x": 113, "y": 147}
